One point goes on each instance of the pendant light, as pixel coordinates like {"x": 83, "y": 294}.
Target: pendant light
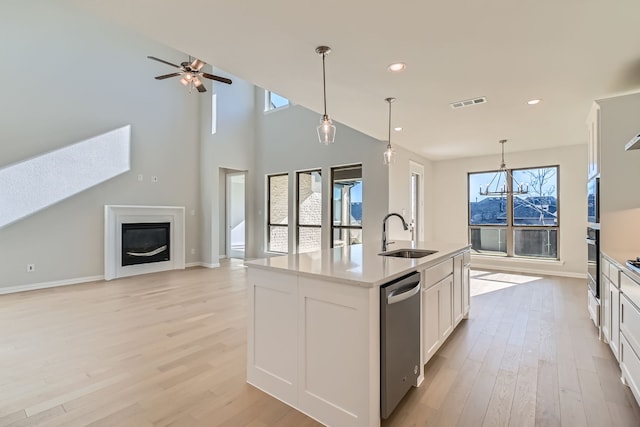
{"x": 389, "y": 153}
{"x": 500, "y": 191}
{"x": 326, "y": 130}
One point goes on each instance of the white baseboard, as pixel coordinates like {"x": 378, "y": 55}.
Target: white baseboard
{"x": 537, "y": 271}
{"x": 203, "y": 264}
{"x": 46, "y": 285}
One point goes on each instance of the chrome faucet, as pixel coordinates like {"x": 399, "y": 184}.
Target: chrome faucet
{"x": 384, "y": 229}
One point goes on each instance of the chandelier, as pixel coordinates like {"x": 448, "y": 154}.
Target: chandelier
{"x": 510, "y": 184}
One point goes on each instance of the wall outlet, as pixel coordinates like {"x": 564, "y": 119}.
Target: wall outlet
{"x": 193, "y": 251}
{"x": 193, "y": 212}
{"x": 154, "y": 179}
{"x": 31, "y": 268}
{"x": 140, "y": 177}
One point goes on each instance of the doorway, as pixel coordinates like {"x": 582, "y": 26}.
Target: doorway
{"x": 417, "y": 203}
{"x": 235, "y": 214}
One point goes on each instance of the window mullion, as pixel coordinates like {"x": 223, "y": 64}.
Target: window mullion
{"x": 510, "y": 204}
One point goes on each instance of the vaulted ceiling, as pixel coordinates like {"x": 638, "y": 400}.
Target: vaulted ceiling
{"x": 566, "y": 53}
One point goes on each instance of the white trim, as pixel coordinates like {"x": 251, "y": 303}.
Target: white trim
{"x": 52, "y": 284}
{"x": 512, "y": 265}
{"x": 214, "y": 265}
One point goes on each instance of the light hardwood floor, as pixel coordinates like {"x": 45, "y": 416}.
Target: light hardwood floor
{"x": 169, "y": 349}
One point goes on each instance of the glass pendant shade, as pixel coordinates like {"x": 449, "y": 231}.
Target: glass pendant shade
{"x": 389, "y": 155}
{"x": 326, "y": 131}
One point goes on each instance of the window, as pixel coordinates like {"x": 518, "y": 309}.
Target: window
{"x": 309, "y": 214}
{"x": 346, "y": 214}
{"x": 515, "y": 225}
{"x": 278, "y": 213}
{"x": 273, "y": 101}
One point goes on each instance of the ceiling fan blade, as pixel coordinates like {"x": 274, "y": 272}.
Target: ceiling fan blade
{"x": 197, "y": 64}
{"x": 198, "y": 84}
{"x": 163, "y": 61}
{"x": 217, "y": 78}
{"x": 166, "y": 76}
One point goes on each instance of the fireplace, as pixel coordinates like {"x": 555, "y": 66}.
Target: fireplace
{"x": 145, "y": 242}
{"x": 135, "y": 238}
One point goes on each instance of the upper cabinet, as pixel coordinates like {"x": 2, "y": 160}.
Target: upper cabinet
{"x": 593, "y": 133}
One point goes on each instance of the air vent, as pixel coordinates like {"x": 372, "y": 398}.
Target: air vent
{"x": 468, "y": 102}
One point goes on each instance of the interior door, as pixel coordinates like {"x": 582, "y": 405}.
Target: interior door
{"x": 236, "y": 218}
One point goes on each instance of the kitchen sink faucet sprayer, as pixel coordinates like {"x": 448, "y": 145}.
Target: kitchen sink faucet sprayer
{"x": 384, "y": 229}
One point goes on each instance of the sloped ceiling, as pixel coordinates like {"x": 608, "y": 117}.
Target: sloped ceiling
{"x": 567, "y": 53}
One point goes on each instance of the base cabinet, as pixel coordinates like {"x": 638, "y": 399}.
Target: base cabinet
{"x": 445, "y": 301}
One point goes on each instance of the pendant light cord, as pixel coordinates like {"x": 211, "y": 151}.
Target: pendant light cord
{"x": 324, "y": 86}
{"x": 389, "y": 143}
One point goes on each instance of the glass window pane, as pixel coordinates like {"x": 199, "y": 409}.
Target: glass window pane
{"x": 542, "y": 243}
{"x": 278, "y": 239}
{"x": 277, "y": 101}
{"x": 492, "y": 240}
{"x": 309, "y": 239}
{"x": 346, "y": 236}
{"x": 310, "y": 198}
{"x": 539, "y": 206}
{"x": 347, "y": 200}
{"x": 279, "y": 199}
{"x": 487, "y": 209}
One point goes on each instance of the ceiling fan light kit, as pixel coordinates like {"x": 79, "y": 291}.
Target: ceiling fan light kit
{"x": 191, "y": 73}
{"x": 326, "y": 129}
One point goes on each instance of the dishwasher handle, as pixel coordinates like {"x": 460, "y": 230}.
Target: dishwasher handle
{"x": 394, "y": 297}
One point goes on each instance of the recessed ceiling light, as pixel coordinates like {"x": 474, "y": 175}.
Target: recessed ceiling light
{"x": 398, "y": 129}
{"x": 533, "y": 101}
{"x": 397, "y": 67}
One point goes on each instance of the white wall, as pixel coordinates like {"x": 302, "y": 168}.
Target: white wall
{"x": 231, "y": 147}
{"x": 66, "y": 76}
{"x": 450, "y": 209}
{"x": 287, "y": 142}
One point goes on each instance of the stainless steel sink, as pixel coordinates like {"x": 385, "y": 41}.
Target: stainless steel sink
{"x": 409, "y": 253}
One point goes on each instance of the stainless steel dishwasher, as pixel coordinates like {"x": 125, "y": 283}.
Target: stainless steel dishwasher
{"x": 399, "y": 340}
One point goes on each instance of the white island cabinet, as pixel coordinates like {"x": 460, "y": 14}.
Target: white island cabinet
{"x": 314, "y": 326}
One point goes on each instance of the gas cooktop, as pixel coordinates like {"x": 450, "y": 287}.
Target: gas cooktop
{"x": 634, "y": 264}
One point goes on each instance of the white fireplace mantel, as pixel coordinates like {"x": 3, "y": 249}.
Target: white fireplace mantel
{"x": 116, "y": 215}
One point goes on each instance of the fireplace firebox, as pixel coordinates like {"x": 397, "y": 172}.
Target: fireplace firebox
{"x": 146, "y": 242}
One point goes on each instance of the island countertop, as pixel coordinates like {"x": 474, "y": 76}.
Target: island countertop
{"x": 359, "y": 265}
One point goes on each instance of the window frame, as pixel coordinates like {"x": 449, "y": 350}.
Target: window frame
{"x": 331, "y": 183}
{"x": 268, "y": 105}
{"x": 510, "y": 228}
{"x": 268, "y": 209}
{"x": 297, "y": 200}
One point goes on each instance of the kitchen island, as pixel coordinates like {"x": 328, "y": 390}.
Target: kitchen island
{"x": 314, "y": 324}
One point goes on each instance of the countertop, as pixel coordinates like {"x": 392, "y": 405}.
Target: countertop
{"x": 359, "y": 265}
{"x": 620, "y": 258}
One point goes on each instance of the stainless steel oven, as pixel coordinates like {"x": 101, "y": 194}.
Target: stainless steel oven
{"x": 593, "y": 201}
{"x": 593, "y": 260}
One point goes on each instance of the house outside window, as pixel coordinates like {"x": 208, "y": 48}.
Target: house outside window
{"x": 273, "y": 101}
{"x": 346, "y": 207}
{"x": 515, "y": 225}
{"x": 278, "y": 213}
{"x": 309, "y": 210}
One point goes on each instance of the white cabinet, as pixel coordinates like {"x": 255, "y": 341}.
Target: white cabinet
{"x": 458, "y": 304}
{"x": 461, "y": 281}
{"x": 430, "y": 321}
{"x": 445, "y": 315}
{"x": 593, "y": 138}
{"x": 614, "y": 339}
{"x": 605, "y": 306}
{"x": 445, "y": 301}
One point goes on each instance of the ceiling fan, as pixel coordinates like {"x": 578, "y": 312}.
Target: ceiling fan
{"x": 190, "y": 72}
